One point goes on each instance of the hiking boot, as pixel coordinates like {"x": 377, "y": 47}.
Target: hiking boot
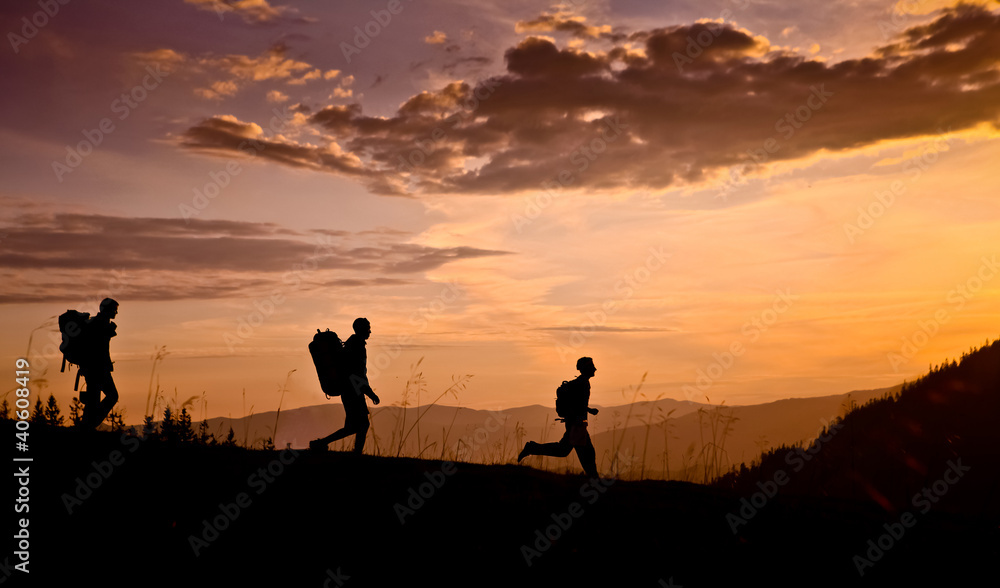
{"x": 318, "y": 445}
{"x": 526, "y": 451}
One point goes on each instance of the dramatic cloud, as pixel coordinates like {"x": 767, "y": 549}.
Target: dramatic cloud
{"x": 564, "y": 23}
{"x": 669, "y": 106}
{"x": 224, "y": 135}
{"x": 239, "y": 70}
{"x": 53, "y": 255}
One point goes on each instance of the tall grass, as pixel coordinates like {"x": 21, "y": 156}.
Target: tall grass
{"x": 416, "y": 384}
{"x": 282, "y": 389}
{"x": 617, "y": 446}
{"x": 157, "y": 358}
{"x": 246, "y": 420}
{"x": 665, "y": 424}
{"x": 720, "y": 425}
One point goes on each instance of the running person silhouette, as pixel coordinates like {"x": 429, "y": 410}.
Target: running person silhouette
{"x": 575, "y": 417}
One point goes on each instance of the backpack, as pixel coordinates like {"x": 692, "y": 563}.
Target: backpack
{"x": 76, "y": 340}
{"x": 565, "y": 399}
{"x": 327, "y": 350}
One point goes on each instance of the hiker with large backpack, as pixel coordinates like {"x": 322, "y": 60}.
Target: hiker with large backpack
{"x": 345, "y": 373}
{"x": 572, "y": 407}
{"x": 86, "y": 342}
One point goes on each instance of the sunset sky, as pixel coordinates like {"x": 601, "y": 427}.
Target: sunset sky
{"x": 748, "y": 200}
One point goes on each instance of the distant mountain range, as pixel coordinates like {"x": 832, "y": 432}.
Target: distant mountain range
{"x": 684, "y": 428}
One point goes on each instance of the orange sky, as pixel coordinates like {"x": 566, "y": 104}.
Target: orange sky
{"x": 747, "y": 203}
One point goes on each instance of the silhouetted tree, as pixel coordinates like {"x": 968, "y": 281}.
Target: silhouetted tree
{"x": 116, "y": 420}
{"x": 5, "y": 410}
{"x": 168, "y": 427}
{"x": 76, "y": 411}
{"x": 230, "y": 438}
{"x": 149, "y": 428}
{"x": 38, "y": 414}
{"x": 185, "y": 434}
{"x": 52, "y": 415}
{"x": 204, "y": 437}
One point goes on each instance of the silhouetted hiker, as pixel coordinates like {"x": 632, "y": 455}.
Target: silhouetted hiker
{"x": 97, "y": 367}
{"x": 354, "y": 389}
{"x": 572, "y": 400}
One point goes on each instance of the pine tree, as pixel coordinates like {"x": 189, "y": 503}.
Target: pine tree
{"x": 52, "y": 415}
{"x": 185, "y": 434}
{"x": 204, "y": 437}
{"x": 38, "y": 415}
{"x": 4, "y": 411}
{"x": 149, "y": 428}
{"x": 76, "y": 411}
{"x": 168, "y": 428}
{"x": 230, "y": 438}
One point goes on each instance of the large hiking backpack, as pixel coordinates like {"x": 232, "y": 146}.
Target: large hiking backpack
{"x": 327, "y": 350}
{"x": 76, "y": 343}
{"x": 565, "y": 399}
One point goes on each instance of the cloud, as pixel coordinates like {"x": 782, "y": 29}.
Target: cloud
{"x": 472, "y": 62}
{"x": 669, "y": 106}
{"x": 229, "y": 73}
{"x": 437, "y": 38}
{"x": 255, "y": 12}
{"x": 225, "y": 135}
{"x": 274, "y": 96}
{"x": 565, "y": 23}
{"x": 56, "y": 257}
{"x": 271, "y": 65}
{"x": 218, "y": 91}
{"x": 929, "y": 6}
{"x": 167, "y": 59}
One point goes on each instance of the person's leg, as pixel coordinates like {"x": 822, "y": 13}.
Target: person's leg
{"x": 335, "y": 436}
{"x": 560, "y": 448}
{"x": 360, "y": 433}
{"x": 360, "y": 423}
{"x": 355, "y": 422}
{"x": 108, "y": 403}
{"x": 87, "y": 398}
{"x": 585, "y": 450}
{"x": 94, "y": 409}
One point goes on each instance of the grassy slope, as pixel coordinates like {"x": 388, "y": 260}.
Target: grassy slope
{"x": 325, "y": 511}
{"x": 782, "y": 422}
{"x": 891, "y": 448}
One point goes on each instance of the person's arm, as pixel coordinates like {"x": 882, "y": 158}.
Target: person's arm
{"x": 586, "y": 398}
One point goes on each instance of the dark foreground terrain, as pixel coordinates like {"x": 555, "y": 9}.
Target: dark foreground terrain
{"x": 154, "y": 515}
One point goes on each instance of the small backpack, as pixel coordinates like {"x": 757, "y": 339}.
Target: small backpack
{"x": 327, "y": 350}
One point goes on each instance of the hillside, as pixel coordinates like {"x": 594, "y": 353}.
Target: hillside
{"x": 901, "y": 491}
{"x": 218, "y": 516}
{"x": 486, "y": 436}
{"x": 890, "y": 449}
{"x": 752, "y": 429}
